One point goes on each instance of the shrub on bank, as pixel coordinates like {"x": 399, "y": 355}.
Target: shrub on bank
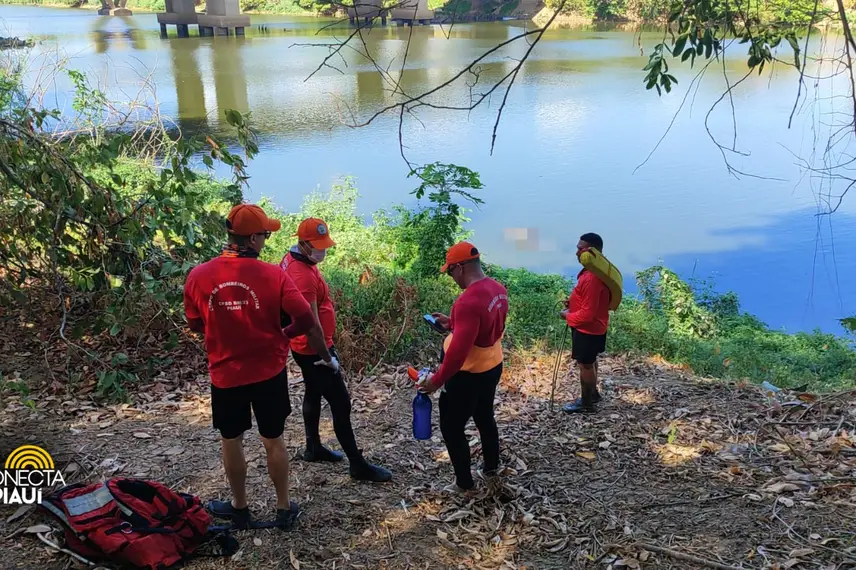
{"x": 379, "y": 307}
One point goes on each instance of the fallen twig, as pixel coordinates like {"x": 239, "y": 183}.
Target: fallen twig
{"x": 686, "y": 557}
{"x": 690, "y": 502}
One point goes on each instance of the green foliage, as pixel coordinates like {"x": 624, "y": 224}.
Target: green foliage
{"x": 18, "y": 388}
{"x": 143, "y": 5}
{"x": 534, "y": 303}
{"x": 666, "y": 294}
{"x": 280, "y": 6}
{"x": 699, "y": 28}
{"x": 433, "y": 229}
{"x": 583, "y": 8}
{"x": 358, "y": 244}
{"x": 108, "y": 235}
{"x": 380, "y": 296}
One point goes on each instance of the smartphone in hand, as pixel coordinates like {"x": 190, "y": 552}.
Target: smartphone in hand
{"x": 434, "y": 324}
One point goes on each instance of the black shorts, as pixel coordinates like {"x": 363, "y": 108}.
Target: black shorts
{"x": 230, "y": 407}
{"x": 586, "y": 347}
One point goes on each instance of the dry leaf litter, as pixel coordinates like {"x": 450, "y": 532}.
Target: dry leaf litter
{"x": 673, "y": 472}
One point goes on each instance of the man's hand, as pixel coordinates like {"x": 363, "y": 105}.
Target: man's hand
{"x": 564, "y": 314}
{"x": 332, "y": 364}
{"x": 428, "y": 387}
{"x": 441, "y": 319}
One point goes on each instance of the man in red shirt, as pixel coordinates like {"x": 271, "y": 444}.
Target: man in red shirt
{"x": 301, "y": 265}
{"x": 241, "y": 305}
{"x": 588, "y": 316}
{"x": 471, "y": 362}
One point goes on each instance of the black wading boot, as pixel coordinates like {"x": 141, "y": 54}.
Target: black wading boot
{"x": 362, "y": 470}
{"x": 595, "y": 399}
{"x": 223, "y": 509}
{"x": 315, "y": 452}
{"x": 287, "y": 518}
{"x": 584, "y": 404}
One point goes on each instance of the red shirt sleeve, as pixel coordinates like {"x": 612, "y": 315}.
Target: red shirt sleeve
{"x": 464, "y": 338}
{"x": 191, "y": 311}
{"x": 293, "y": 303}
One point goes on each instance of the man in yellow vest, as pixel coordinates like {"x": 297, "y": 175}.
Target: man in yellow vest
{"x": 472, "y": 362}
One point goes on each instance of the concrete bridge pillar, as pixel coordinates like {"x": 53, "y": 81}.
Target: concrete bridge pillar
{"x": 410, "y": 11}
{"x": 179, "y": 13}
{"x": 221, "y": 18}
{"x": 366, "y": 11}
{"x": 114, "y": 8}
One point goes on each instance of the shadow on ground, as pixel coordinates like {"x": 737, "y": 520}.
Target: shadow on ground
{"x": 669, "y": 462}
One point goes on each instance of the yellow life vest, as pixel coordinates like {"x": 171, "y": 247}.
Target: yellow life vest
{"x": 603, "y": 269}
{"x": 480, "y": 359}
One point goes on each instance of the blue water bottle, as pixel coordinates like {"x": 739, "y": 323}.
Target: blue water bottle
{"x": 421, "y": 411}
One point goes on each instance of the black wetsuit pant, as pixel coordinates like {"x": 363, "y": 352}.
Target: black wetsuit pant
{"x": 322, "y": 382}
{"x": 470, "y": 395}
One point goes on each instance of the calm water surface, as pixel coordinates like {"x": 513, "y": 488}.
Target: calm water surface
{"x": 575, "y": 128}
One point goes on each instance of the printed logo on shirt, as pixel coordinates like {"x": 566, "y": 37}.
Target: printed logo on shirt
{"x": 235, "y": 304}
{"x": 496, "y": 300}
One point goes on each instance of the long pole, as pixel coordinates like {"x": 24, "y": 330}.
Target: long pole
{"x": 556, "y": 368}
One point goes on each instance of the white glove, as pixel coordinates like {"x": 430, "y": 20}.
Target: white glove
{"x": 332, "y": 365}
{"x": 424, "y": 376}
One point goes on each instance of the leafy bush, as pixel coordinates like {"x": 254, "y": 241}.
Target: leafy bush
{"x": 92, "y": 220}
{"x": 380, "y": 296}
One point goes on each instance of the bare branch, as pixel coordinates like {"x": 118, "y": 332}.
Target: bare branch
{"x": 801, "y": 81}
{"x": 698, "y": 77}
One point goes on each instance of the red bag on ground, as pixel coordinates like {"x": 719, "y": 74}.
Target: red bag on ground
{"x": 140, "y": 523}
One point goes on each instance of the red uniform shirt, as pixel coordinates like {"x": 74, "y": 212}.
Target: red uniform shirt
{"x": 311, "y": 284}
{"x": 477, "y": 319}
{"x": 588, "y": 307}
{"x": 239, "y": 301}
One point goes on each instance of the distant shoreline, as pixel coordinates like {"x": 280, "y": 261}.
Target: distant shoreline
{"x": 147, "y": 9}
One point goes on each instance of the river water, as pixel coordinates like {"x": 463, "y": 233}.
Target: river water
{"x": 575, "y": 128}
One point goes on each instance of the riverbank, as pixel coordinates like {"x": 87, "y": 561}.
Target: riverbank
{"x": 381, "y": 293}
{"x": 99, "y": 293}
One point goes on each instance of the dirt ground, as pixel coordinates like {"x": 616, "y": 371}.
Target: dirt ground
{"x": 673, "y": 472}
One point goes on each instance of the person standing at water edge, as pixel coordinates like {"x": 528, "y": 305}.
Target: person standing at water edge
{"x": 301, "y": 265}
{"x": 588, "y": 316}
{"x": 239, "y": 303}
{"x": 472, "y": 362}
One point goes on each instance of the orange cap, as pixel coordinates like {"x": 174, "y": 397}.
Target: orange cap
{"x": 316, "y": 232}
{"x": 249, "y": 219}
{"x": 459, "y": 253}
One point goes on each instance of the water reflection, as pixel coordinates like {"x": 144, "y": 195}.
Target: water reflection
{"x": 189, "y": 87}
{"x": 576, "y": 125}
{"x": 230, "y": 79}
{"x": 105, "y": 36}
{"x": 795, "y": 273}
{"x": 371, "y": 90}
